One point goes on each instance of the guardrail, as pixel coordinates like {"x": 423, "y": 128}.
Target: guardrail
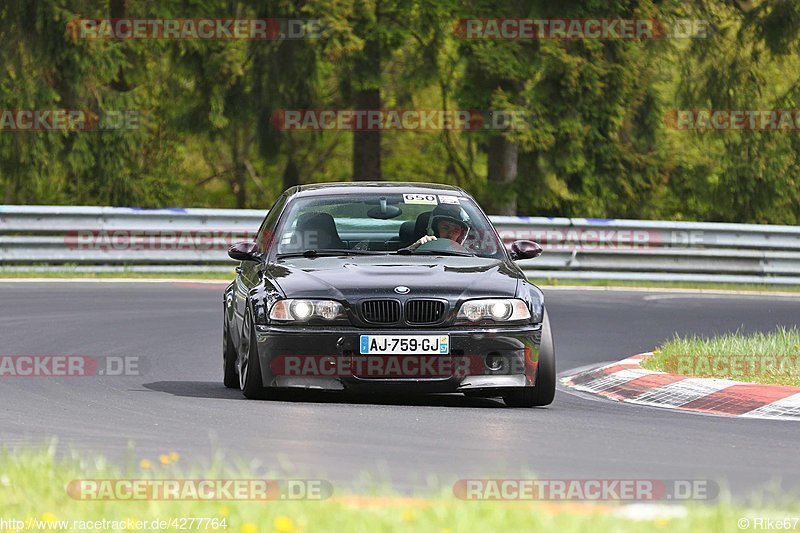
{"x": 185, "y": 240}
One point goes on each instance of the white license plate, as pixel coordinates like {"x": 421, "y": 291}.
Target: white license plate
{"x": 405, "y": 344}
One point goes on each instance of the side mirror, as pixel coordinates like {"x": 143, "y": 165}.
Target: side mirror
{"x": 525, "y": 250}
{"x": 244, "y": 251}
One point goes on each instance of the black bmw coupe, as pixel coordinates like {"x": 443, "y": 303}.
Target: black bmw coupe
{"x": 401, "y": 287}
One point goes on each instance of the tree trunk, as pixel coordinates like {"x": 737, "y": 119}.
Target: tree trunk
{"x": 291, "y": 175}
{"x": 118, "y": 9}
{"x": 367, "y": 144}
{"x": 503, "y": 159}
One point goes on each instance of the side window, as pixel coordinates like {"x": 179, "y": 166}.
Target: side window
{"x": 268, "y": 226}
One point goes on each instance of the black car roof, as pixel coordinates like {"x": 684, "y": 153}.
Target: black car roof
{"x": 389, "y": 187}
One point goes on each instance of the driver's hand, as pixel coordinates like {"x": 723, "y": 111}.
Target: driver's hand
{"x": 421, "y": 241}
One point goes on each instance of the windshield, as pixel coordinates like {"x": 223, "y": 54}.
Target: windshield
{"x": 387, "y": 223}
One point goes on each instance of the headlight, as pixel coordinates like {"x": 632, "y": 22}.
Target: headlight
{"x": 301, "y": 310}
{"x": 496, "y": 309}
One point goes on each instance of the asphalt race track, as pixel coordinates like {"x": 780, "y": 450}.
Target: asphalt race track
{"x": 179, "y": 403}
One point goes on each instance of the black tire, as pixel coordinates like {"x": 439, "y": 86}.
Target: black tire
{"x": 249, "y": 364}
{"x": 545, "y": 390}
{"x": 230, "y": 377}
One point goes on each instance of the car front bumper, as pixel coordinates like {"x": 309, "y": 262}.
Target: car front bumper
{"x": 329, "y": 359}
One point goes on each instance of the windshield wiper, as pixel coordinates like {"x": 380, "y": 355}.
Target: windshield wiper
{"x": 406, "y": 251}
{"x": 331, "y": 251}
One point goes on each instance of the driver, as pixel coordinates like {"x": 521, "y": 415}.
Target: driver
{"x": 447, "y": 222}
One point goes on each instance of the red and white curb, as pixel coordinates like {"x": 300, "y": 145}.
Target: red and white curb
{"x": 626, "y": 381}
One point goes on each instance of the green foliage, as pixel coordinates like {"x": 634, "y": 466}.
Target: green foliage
{"x": 594, "y": 142}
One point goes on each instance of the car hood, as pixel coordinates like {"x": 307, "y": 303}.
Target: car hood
{"x": 354, "y": 278}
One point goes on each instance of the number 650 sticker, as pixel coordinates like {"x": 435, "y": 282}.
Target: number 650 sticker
{"x": 420, "y": 199}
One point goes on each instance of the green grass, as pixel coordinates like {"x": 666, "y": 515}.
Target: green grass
{"x": 772, "y": 358}
{"x": 746, "y": 287}
{"x": 32, "y": 486}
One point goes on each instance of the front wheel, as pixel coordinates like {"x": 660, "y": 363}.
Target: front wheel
{"x": 249, "y": 365}
{"x": 545, "y": 388}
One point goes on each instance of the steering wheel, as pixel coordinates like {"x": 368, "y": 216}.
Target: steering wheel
{"x": 442, "y": 244}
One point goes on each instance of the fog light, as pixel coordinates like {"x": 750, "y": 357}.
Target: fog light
{"x": 494, "y": 361}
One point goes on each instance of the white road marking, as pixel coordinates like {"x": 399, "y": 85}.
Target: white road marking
{"x": 682, "y": 392}
{"x": 788, "y": 407}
